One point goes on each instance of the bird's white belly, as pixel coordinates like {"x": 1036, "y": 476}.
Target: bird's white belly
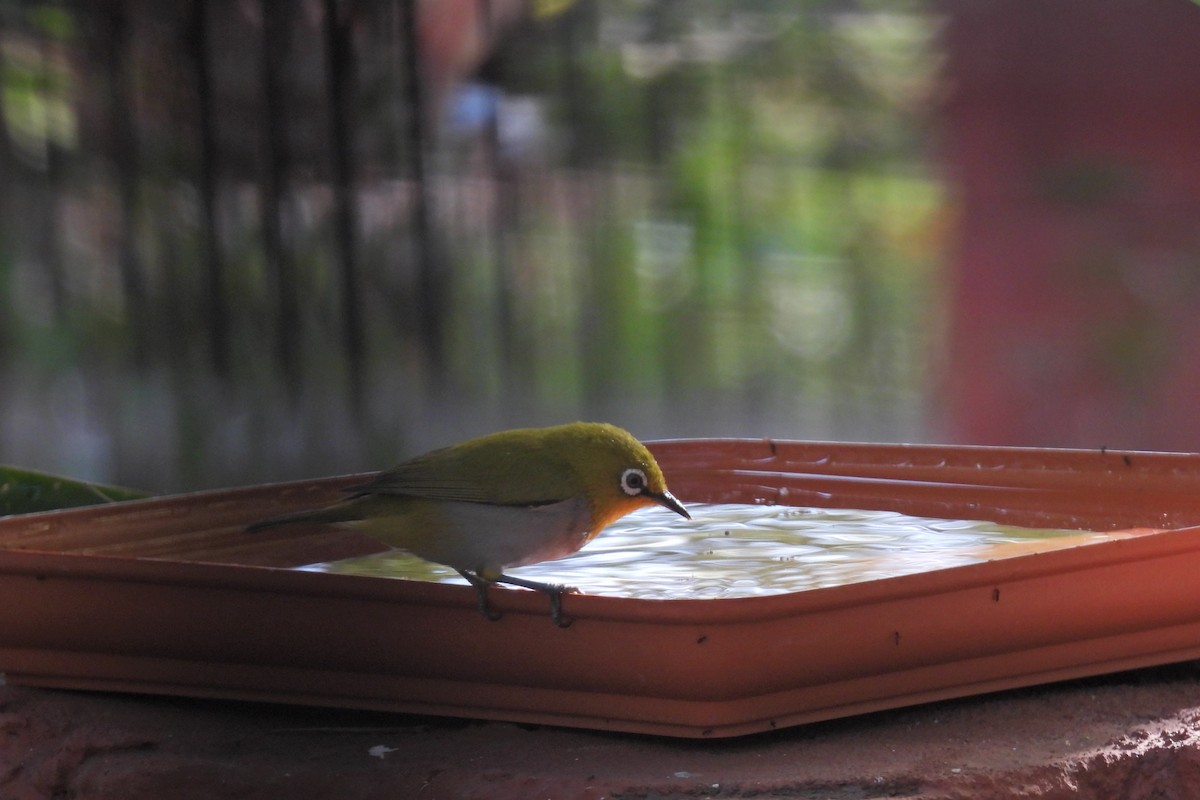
{"x": 487, "y": 538}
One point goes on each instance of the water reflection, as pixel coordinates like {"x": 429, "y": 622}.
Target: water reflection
{"x": 747, "y": 550}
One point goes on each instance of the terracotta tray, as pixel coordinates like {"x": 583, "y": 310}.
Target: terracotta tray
{"x": 167, "y": 596}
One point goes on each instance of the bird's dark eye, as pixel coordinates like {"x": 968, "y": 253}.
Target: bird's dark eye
{"x": 633, "y": 481}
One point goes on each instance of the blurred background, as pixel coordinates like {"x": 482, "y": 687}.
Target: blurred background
{"x": 251, "y": 240}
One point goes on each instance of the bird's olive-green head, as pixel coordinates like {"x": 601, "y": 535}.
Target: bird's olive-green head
{"x": 613, "y": 469}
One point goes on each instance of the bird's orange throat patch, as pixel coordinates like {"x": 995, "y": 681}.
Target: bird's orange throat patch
{"x": 611, "y": 510}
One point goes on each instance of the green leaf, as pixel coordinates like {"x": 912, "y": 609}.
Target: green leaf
{"x": 24, "y": 491}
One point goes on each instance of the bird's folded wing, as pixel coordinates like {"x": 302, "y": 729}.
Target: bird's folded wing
{"x": 499, "y": 478}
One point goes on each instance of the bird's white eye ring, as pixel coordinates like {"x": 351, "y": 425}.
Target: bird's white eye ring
{"x": 633, "y": 481}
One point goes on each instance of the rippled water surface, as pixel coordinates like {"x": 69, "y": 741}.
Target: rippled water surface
{"x": 745, "y": 550}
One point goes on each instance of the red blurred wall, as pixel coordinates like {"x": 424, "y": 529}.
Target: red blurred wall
{"x": 1072, "y": 143}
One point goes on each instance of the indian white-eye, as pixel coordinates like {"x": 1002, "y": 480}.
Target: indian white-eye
{"x": 504, "y": 500}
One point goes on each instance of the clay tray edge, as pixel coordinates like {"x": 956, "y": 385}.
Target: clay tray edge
{"x": 167, "y": 596}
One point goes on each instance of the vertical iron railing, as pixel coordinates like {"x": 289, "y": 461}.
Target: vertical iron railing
{"x": 340, "y": 81}
{"x": 275, "y": 211}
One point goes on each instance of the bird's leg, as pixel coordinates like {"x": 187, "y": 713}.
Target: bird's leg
{"x": 554, "y": 591}
{"x": 480, "y": 585}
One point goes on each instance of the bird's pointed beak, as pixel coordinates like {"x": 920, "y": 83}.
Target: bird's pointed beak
{"x": 667, "y": 500}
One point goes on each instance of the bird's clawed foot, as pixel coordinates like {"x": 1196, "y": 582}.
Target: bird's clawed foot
{"x": 554, "y": 591}
{"x": 481, "y": 585}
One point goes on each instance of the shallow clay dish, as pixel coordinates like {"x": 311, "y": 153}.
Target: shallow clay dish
{"x": 168, "y": 596}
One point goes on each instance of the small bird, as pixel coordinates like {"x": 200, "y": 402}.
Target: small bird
{"x": 504, "y": 500}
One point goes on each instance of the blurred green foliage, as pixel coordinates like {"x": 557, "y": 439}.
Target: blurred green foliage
{"x": 689, "y": 217}
{"x": 25, "y": 491}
